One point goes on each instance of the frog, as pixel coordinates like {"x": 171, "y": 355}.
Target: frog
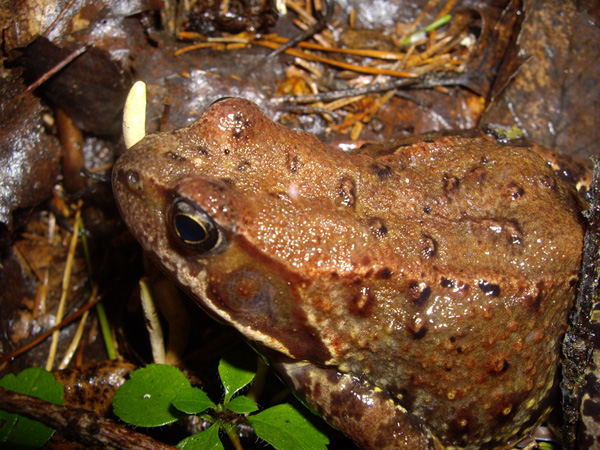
{"x": 414, "y": 294}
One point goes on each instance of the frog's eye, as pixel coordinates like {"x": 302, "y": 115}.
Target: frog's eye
{"x": 194, "y": 227}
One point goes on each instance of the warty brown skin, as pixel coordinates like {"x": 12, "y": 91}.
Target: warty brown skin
{"x": 429, "y": 272}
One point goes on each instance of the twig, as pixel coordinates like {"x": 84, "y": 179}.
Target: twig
{"x": 333, "y": 95}
{"x": 333, "y": 62}
{"x": 312, "y": 110}
{"x": 306, "y": 34}
{"x": 446, "y": 9}
{"x": 67, "y": 60}
{"x": 78, "y": 424}
{"x": 429, "y": 80}
{"x": 305, "y": 14}
{"x": 369, "y": 53}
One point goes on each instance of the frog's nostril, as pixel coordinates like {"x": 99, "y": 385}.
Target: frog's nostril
{"x": 134, "y": 181}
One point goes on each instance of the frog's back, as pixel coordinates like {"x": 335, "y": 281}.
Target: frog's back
{"x": 478, "y": 260}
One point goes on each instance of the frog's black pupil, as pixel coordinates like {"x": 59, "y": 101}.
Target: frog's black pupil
{"x": 190, "y": 230}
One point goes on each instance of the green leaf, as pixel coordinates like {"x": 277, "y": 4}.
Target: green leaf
{"x": 285, "y": 428}
{"x": 145, "y": 400}
{"x": 241, "y": 405}
{"x": 193, "y": 401}
{"x": 18, "y": 432}
{"x": 237, "y": 369}
{"x": 205, "y": 440}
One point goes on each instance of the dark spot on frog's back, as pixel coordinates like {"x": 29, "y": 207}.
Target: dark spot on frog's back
{"x": 241, "y": 125}
{"x": 416, "y": 328}
{"x": 377, "y": 227}
{"x": 447, "y": 283}
{"x": 450, "y": 183}
{"x": 419, "y": 293}
{"x": 243, "y": 166}
{"x": 384, "y": 274}
{"x": 573, "y": 281}
{"x": 548, "y": 182}
{"x": 512, "y": 232}
{"x": 428, "y": 246}
{"x": 293, "y": 162}
{"x": 514, "y": 190}
{"x": 490, "y": 289}
{"x": 534, "y": 300}
{"x": 478, "y": 175}
{"x": 347, "y": 192}
{"x": 383, "y": 171}
{"x": 177, "y": 157}
{"x": 497, "y": 365}
{"x": 361, "y": 302}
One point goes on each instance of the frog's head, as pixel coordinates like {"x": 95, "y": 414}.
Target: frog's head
{"x": 217, "y": 206}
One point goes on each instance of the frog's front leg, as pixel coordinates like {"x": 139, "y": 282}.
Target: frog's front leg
{"x": 366, "y": 414}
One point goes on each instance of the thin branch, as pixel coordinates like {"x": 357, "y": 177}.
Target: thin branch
{"x": 67, "y": 60}
{"x": 426, "y": 81}
{"x": 318, "y": 26}
{"x": 78, "y": 424}
{"x": 336, "y": 63}
{"x": 334, "y": 95}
